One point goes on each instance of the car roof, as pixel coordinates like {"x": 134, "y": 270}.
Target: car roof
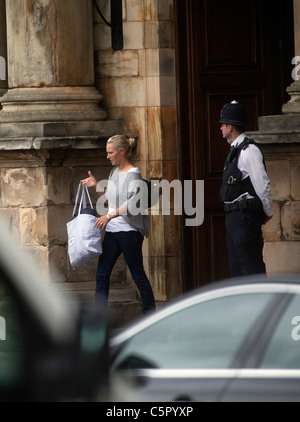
{"x": 278, "y": 283}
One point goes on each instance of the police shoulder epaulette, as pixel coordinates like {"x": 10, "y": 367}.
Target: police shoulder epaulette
{"x": 247, "y": 141}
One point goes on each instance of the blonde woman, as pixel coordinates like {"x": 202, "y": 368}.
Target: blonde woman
{"x": 124, "y": 232}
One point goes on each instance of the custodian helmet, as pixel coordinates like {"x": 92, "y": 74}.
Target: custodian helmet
{"x": 234, "y": 114}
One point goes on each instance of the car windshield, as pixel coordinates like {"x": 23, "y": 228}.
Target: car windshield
{"x": 205, "y": 335}
{"x": 283, "y": 351}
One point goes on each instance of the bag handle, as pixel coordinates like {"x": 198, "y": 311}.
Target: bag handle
{"x": 88, "y": 195}
{"x": 77, "y": 197}
{"x": 84, "y": 190}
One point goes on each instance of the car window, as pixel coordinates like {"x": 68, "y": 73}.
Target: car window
{"x": 206, "y": 335}
{"x": 283, "y": 351}
{"x": 11, "y": 353}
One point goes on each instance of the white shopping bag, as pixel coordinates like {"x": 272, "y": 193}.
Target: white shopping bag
{"x": 84, "y": 239}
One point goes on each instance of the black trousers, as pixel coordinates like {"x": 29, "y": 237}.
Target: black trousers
{"x": 245, "y": 242}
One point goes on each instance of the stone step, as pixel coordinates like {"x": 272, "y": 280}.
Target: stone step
{"x": 123, "y": 306}
{"x": 86, "y": 291}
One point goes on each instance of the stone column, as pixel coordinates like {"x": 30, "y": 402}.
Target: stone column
{"x": 50, "y": 69}
{"x": 3, "y": 53}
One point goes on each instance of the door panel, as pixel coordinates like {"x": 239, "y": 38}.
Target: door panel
{"x": 226, "y": 50}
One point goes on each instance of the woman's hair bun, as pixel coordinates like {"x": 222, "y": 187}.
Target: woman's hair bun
{"x": 132, "y": 142}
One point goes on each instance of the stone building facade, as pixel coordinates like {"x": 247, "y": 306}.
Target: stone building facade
{"x": 66, "y": 91}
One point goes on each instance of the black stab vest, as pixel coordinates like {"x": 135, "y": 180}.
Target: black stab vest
{"x": 232, "y": 184}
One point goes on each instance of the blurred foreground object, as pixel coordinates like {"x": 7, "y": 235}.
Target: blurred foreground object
{"x": 52, "y": 348}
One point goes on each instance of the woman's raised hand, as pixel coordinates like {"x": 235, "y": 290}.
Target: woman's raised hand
{"x": 90, "y": 181}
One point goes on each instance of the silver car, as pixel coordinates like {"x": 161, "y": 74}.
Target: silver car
{"x": 237, "y": 340}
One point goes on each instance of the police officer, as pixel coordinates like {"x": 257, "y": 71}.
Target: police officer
{"x": 246, "y": 194}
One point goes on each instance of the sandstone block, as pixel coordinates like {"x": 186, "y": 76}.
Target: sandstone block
{"x": 131, "y": 121}
{"x": 58, "y": 216}
{"x": 172, "y": 236}
{"x": 282, "y": 257}
{"x": 295, "y": 178}
{"x": 142, "y": 125}
{"x": 42, "y": 226}
{"x": 158, "y": 35}
{"x": 120, "y": 64}
{"x": 28, "y": 226}
{"x": 149, "y": 62}
{"x": 38, "y": 256}
{"x": 58, "y": 264}
{"x": 158, "y": 10}
{"x": 153, "y": 91}
{"x": 23, "y": 187}
{"x": 156, "y": 238}
{"x": 126, "y": 92}
{"x": 168, "y": 91}
{"x": 157, "y": 277}
{"x": 165, "y": 10}
{"x": 161, "y": 91}
{"x": 59, "y": 183}
{"x": 135, "y": 10}
{"x": 133, "y": 35}
{"x": 154, "y": 133}
{"x": 279, "y": 174}
{"x": 291, "y": 220}
{"x": 272, "y": 229}
{"x": 11, "y": 217}
{"x": 167, "y": 62}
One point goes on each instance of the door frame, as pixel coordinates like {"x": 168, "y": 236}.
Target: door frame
{"x": 185, "y": 135}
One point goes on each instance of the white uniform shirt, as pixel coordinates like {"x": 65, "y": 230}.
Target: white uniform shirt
{"x": 251, "y": 164}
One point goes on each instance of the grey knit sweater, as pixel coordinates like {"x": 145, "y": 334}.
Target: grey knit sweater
{"x": 121, "y": 190}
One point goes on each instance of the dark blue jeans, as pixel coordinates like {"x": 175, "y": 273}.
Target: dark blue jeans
{"x": 130, "y": 244}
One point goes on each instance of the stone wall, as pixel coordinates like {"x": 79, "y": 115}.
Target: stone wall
{"x": 282, "y": 232}
{"x": 54, "y": 125}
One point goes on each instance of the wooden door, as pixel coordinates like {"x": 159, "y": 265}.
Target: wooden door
{"x": 226, "y": 50}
